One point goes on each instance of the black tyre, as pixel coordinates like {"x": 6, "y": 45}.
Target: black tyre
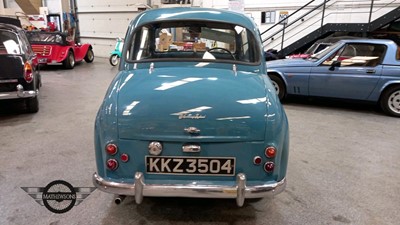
{"x": 278, "y": 85}
{"x": 390, "y": 101}
{"x": 114, "y": 59}
{"x": 32, "y": 105}
{"x": 69, "y": 62}
{"x": 89, "y": 57}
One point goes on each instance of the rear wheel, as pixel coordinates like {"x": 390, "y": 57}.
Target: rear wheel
{"x": 390, "y": 101}
{"x": 69, "y": 62}
{"x": 114, "y": 59}
{"x": 278, "y": 85}
{"x": 89, "y": 56}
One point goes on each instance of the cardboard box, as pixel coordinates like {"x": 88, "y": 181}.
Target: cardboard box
{"x": 199, "y": 46}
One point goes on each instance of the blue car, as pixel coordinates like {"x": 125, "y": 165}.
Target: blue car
{"x": 356, "y": 69}
{"x": 191, "y": 112}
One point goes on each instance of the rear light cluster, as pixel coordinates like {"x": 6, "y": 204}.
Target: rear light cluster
{"x": 112, "y": 149}
{"x": 270, "y": 153}
{"x": 28, "y": 72}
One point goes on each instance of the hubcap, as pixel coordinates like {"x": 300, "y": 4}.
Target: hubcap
{"x": 276, "y": 87}
{"x": 90, "y": 55}
{"x": 72, "y": 60}
{"x": 394, "y": 102}
{"x": 114, "y": 60}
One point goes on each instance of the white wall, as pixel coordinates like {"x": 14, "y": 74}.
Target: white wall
{"x": 102, "y": 21}
{"x": 12, "y": 10}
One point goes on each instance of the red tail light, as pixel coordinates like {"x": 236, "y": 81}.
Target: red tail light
{"x": 111, "y": 149}
{"x": 257, "y": 160}
{"x": 112, "y": 164}
{"x": 124, "y": 157}
{"x": 269, "y": 167}
{"x": 28, "y": 73}
{"x": 270, "y": 152}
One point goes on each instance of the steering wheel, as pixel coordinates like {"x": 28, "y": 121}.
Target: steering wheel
{"x": 223, "y": 49}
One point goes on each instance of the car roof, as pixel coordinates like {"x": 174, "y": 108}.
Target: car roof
{"x": 200, "y": 14}
{"x": 45, "y": 32}
{"x": 10, "y": 27}
{"x": 9, "y": 20}
{"x": 369, "y": 41}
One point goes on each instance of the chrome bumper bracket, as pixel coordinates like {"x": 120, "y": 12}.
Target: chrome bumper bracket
{"x": 139, "y": 183}
{"x": 241, "y": 189}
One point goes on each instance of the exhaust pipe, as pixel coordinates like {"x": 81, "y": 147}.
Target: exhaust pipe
{"x": 119, "y": 198}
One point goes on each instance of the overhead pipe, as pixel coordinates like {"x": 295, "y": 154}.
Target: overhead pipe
{"x": 323, "y": 15}
{"x": 370, "y": 15}
{"x": 74, "y": 11}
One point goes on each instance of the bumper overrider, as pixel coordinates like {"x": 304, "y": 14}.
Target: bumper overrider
{"x": 240, "y": 191}
{"x": 19, "y": 93}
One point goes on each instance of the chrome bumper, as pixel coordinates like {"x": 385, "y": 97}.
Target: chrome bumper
{"x": 19, "y": 93}
{"x": 139, "y": 189}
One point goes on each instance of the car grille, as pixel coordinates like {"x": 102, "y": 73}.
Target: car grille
{"x": 42, "y": 50}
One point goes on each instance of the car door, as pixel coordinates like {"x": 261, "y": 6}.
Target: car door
{"x": 352, "y": 72}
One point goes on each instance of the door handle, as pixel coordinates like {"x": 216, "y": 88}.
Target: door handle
{"x": 371, "y": 71}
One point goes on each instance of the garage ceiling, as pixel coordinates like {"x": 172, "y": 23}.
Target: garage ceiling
{"x": 30, "y": 7}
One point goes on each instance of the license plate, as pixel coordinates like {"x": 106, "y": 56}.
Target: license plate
{"x": 42, "y": 60}
{"x": 219, "y": 166}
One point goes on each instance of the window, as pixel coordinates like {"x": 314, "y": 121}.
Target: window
{"x": 358, "y": 54}
{"x": 9, "y": 43}
{"x": 268, "y": 17}
{"x": 45, "y": 38}
{"x": 198, "y": 41}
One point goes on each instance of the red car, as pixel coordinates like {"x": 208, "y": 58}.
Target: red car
{"x": 55, "y": 48}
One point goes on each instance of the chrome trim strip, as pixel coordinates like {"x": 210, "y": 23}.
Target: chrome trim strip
{"x": 139, "y": 188}
{"x": 8, "y": 81}
{"x": 19, "y": 93}
{"x": 192, "y": 130}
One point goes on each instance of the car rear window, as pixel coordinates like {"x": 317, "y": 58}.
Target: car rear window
{"x": 9, "y": 43}
{"x": 193, "y": 40}
{"x": 45, "y": 38}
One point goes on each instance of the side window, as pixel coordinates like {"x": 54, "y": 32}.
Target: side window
{"x": 358, "y": 55}
{"x": 245, "y": 45}
{"x": 140, "y": 45}
{"x": 27, "y": 47}
{"x": 9, "y": 43}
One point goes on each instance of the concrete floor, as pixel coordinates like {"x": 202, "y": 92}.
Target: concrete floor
{"x": 344, "y": 165}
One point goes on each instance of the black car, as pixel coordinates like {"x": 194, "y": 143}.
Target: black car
{"x": 19, "y": 77}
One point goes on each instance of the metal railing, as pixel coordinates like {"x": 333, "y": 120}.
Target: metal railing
{"x": 321, "y": 12}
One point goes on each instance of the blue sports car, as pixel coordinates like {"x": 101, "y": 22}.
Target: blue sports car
{"x": 357, "y": 69}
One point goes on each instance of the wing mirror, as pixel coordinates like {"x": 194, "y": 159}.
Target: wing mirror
{"x": 334, "y": 64}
